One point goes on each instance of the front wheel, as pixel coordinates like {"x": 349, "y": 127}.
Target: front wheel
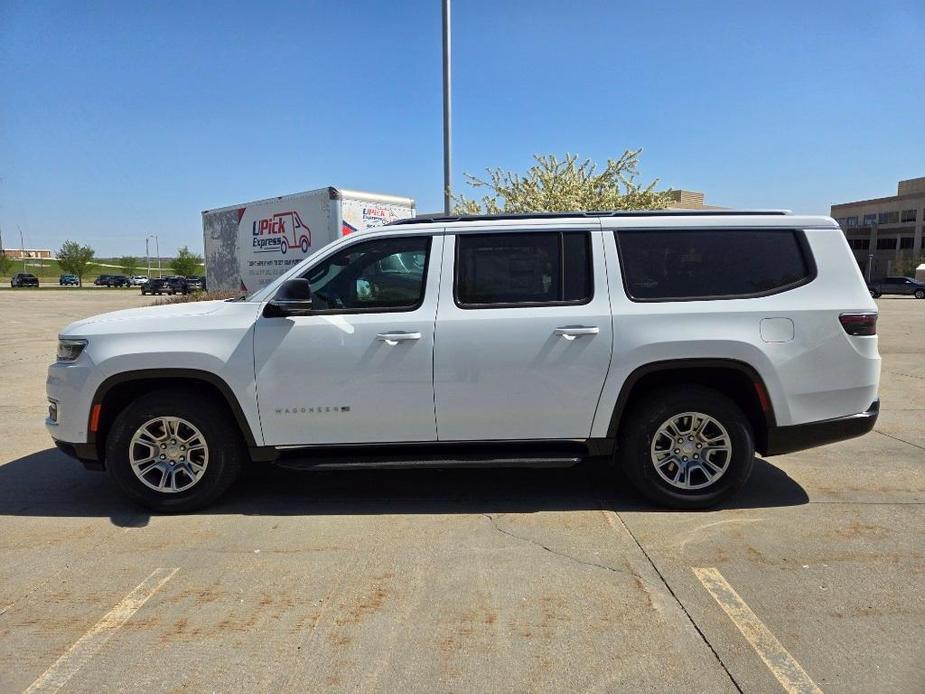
{"x": 920, "y": 293}
{"x": 874, "y": 294}
{"x": 687, "y": 447}
{"x": 174, "y": 451}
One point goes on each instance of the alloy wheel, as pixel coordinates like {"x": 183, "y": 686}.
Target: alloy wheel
{"x": 168, "y": 454}
{"x": 691, "y": 450}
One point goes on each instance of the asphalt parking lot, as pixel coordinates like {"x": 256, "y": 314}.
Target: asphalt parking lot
{"x": 508, "y": 581}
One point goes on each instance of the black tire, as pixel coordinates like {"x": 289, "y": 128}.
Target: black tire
{"x": 874, "y": 294}
{"x": 638, "y": 429}
{"x": 226, "y": 448}
{"x": 920, "y": 293}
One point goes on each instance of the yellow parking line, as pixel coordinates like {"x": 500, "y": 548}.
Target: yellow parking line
{"x": 782, "y": 665}
{"x": 87, "y": 645}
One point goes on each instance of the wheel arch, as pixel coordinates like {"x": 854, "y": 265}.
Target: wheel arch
{"x": 735, "y": 379}
{"x": 120, "y": 389}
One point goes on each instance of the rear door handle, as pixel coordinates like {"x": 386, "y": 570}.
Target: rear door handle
{"x": 396, "y": 337}
{"x": 570, "y": 332}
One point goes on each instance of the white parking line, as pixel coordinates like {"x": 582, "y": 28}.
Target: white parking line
{"x": 87, "y": 645}
{"x": 782, "y": 665}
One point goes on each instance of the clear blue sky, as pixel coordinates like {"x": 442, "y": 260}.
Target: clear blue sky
{"x": 120, "y": 119}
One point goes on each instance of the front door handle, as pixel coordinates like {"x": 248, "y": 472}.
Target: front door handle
{"x": 570, "y": 332}
{"x": 396, "y": 337}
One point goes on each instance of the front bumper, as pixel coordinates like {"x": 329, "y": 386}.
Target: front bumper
{"x": 802, "y": 436}
{"x": 86, "y": 453}
{"x": 70, "y": 387}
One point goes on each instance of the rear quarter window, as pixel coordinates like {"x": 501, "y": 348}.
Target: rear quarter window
{"x": 691, "y": 264}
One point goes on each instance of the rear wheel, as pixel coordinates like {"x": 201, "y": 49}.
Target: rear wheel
{"x": 874, "y": 294}
{"x": 920, "y": 293}
{"x": 688, "y": 447}
{"x": 173, "y": 451}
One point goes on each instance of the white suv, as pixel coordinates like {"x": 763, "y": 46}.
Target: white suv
{"x": 673, "y": 343}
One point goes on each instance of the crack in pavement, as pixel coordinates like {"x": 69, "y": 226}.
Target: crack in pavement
{"x": 900, "y": 373}
{"x": 867, "y": 503}
{"x": 494, "y": 524}
{"x": 605, "y": 509}
{"x": 896, "y": 438}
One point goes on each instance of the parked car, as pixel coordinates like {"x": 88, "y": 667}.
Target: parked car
{"x": 897, "y": 285}
{"x": 68, "y": 280}
{"x": 24, "y": 279}
{"x": 196, "y": 284}
{"x": 673, "y": 344}
{"x": 112, "y": 281}
{"x": 156, "y": 285}
{"x": 178, "y": 285}
{"x": 138, "y": 280}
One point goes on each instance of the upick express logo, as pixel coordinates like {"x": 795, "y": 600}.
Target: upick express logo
{"x": 279, "y": 233}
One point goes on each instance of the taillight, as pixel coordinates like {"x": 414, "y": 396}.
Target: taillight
{"x": 859, "y": 323}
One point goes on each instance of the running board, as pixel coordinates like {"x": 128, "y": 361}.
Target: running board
{"x": 310, "y": 462}
{"x": 546, "y": 453}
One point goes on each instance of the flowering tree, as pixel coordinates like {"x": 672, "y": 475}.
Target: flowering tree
{"x": 554, "y": 185}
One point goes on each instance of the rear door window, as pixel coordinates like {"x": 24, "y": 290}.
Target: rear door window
{"x": 523, "y": 269}
{"x": 690, "y": 264}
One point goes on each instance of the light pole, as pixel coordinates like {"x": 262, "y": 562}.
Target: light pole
{"x": 872, "y": 246}
{"x": 22, "y": 248}
{"x": 447, "y": 120}
{"x": 157, "y": 251}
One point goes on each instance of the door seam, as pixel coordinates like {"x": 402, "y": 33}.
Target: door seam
{"x": 433, "y": 342}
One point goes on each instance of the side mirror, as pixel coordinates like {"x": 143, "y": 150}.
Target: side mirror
{"x": 293, "y": 298}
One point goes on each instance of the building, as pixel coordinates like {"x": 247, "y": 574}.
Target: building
{"x": 689, "y": 200}
{"x": 886, "y": 233}
{"x": 29, "y": 253}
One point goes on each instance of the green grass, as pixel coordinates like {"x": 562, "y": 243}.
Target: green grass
{"x": 54, "y": 286}
{"x": 48, "y": 271}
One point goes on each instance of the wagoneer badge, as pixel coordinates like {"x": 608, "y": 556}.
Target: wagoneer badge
{"x": 313, "y": 410}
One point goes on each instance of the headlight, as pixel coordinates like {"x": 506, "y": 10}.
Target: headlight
{"x": 69, "y": 350}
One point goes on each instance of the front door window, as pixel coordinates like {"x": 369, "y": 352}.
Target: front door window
{"x": 379, "y": 275}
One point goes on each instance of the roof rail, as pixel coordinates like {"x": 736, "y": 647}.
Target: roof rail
{"x": 431, "y": 218}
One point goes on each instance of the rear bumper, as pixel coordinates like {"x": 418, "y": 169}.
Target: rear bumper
{"x": 802, "y": 436}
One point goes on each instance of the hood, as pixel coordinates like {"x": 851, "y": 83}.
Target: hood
{"x": 154, "y": 315}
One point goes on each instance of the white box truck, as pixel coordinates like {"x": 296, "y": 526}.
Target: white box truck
{"x": 249, "y": 245}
